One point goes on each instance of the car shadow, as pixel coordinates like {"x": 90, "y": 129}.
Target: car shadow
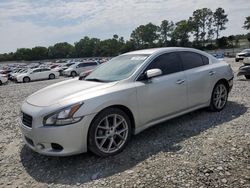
{"x": 164, "y": 137}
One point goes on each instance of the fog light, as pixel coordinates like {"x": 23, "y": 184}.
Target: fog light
{"x": 40, "y": 146}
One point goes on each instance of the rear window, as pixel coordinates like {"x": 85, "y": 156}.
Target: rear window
{"x": 205, "y": 60}
{"x": 191, "y": 60}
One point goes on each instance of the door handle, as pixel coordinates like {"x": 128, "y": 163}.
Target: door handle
{"x": 180, "y": 81}
{"x": 211, "y": 73}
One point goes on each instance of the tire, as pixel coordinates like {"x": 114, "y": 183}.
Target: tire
{"x": 111, "y": 140}
{"x": 52, "y": 76}
{"x": 1, "y": 83}
{"x": 219, "y": 97}
{"x": 26, "y": 79}
{"x": 247, "y": 76}
{"x": 73, "y": 74}
{"x": 237, "y": 60}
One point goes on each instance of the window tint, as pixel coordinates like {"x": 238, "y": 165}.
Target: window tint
{"x": 37, "y": 70}
{"x": 191, "y": 60}
{"x": 168, "y": 63}
{"x": 44, "y": 70}
{"x": 87, "y": 64}
{"x": 205, "y": 60}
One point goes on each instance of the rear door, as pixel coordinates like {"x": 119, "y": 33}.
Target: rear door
{"x": 197, "y": 70}
{"x": 45, "y": 73}
{"x": 36, "y": 74}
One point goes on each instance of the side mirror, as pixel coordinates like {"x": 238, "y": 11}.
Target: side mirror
{"x": 153, "y": 73}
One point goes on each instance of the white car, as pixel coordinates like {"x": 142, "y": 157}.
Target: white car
{"x": 36, "y": 74}
{"x": 242, "y": 55}
{"x": 122, "y": 97}
{"x": 80, "y": 67}
{"x": 3, "y": 79}
{"x": 63, "y": 67}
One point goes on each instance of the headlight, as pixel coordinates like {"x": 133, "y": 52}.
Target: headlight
{"x": 64, "y": 116}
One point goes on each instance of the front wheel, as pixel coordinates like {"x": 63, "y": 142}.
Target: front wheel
{"x": 26, "y": 79}
{"x": 52, "y": 76}
{"x": 109, "y": 133}
{"x": 219, "y": 97}
{"x": 247, "y": 76}
{"x": 73, "y": 74}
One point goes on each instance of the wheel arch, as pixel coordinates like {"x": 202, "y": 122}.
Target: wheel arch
{"x": 223, "y": 80}
{"x": 125, "y": 109}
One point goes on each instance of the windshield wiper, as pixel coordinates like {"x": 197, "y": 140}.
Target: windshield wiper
{"x": 95, "y": 80}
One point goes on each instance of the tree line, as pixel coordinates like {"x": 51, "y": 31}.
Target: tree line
{"x": 203, "y": 27}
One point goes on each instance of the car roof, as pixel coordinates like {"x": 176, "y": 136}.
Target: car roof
{"x": 165, "y": 49}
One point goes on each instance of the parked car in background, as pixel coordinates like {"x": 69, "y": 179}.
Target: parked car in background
{"x": 6, "y": 72}
{"x": 36, "y": 74}
{"x": 79, "y": 67}
{"x": 63, "y": 67}
{"x": 242, "y": 55}
{"x": 245, "y": 68}
{"x": 84, "y": 74}
{"x": 123, "y": 97}
{"x": 3, "y": 79}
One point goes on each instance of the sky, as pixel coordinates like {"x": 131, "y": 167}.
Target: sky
{"x": 29, "y": 23}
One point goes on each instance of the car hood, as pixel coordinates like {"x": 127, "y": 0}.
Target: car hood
{"x": 65, "y": 90}
{"x": 68, "y": 69}
{"x": 21, "y": 75}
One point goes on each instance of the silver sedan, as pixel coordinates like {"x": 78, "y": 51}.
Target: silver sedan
{"x": 121, "y": 98}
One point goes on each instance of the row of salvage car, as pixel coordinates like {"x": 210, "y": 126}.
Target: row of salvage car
{"x": 43, "y": 71}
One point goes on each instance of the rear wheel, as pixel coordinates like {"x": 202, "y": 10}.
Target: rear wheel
{"x": 73, "y": 74}
{"x": 109, "y": 133}
{"x": 219, "y": 97}
{"x": 52, "y": 76}
{"x": 247, "y": 76}
{"x": 1, "y": 83}
{"x": 26, "y": 79}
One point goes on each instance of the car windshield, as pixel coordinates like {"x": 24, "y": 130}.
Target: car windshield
{"x": 246, "y": 50}
{"x": 118, "y": 68}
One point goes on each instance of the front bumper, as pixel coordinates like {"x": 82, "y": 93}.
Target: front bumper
{"x": 57, "y": 140}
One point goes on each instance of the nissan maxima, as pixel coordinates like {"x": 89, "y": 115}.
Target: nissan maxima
{"x": 121, "y": 98}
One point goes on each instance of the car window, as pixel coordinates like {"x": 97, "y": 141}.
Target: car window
{"x": 168, "y": 63}
{"x": 191, "y": 60}
{"x": 37, "y": 70}
{"x": 205, "y": 60}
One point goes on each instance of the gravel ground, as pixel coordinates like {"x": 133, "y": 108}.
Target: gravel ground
{"x": 200, "y": 149}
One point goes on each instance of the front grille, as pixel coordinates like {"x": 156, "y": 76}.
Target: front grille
{"x": 27, "y": 120}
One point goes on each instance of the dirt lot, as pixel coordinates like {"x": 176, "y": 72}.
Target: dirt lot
{"x": 200, "y": 149}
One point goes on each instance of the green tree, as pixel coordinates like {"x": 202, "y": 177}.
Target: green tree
{"x": 87, "y": 47}
{"x": 145, "y": 35}
{"x": 23, "y": 54}
{"x": 201, "y": 25}
{"x": 181, "y": 33}
{"x": 222, "y": 42}
{"x": 247, "y": 23}
{"x": 220, "y": 20}
{"x": 61, "y": 50}
{"x": 166, "y": 28}
{"x": 39, "y": 53}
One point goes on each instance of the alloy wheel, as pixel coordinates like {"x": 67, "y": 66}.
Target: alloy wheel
{"x": 220, "y": 96}
{"x": 111, "y": 133}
